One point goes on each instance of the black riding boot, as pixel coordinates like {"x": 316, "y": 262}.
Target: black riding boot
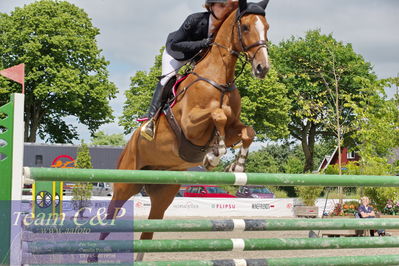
{"x": 155, "y": 102}
{"x": 148, "y": 129}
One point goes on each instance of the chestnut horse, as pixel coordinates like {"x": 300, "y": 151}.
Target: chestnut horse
{"x": 201, "y": 110}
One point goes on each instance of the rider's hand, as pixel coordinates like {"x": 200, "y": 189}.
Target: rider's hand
{"x": 206, "y": 42}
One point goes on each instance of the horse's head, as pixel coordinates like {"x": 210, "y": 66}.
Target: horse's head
{"x": 251, "y": 29}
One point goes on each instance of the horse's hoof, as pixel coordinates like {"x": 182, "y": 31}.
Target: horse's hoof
{"x": 92, "y": 258}
{"x": 235, "y": 168}
{"x": 210, "y": 161}
{"x": 239, "y": 169}
{"x": 229, "y": 168}
{"x": 207, "y": 165}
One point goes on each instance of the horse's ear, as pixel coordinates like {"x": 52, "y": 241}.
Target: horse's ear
{"x": 263, "y": 3}
{"x": 242, "y": 4}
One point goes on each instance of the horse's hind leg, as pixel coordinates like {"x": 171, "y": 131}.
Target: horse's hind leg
{"x": 247, "y": 136}
{"x": 161, "y": 198}
{"x": 122, "y": 192}
{"x": 212, "y": 158}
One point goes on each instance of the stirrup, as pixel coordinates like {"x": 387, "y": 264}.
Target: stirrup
{"x": 148, "y": 131}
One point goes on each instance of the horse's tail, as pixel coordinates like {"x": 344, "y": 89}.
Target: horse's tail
{"x": 128, "y": 157}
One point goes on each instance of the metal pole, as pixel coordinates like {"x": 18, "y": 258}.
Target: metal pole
{"x": 216, "y": 225}
{"x": 204, "y": 245}
{"x": 375, "y": 260}
{"x": 176, "y": 177}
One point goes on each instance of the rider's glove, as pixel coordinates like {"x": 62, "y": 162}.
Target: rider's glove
{"x": 206, "y": 42}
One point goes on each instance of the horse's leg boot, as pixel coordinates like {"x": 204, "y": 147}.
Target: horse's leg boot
{"x": 148, "y": 129}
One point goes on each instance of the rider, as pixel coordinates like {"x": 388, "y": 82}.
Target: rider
{"x": 182, "y": 45}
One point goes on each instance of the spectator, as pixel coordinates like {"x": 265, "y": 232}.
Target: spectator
{"x": 366, "y": 211}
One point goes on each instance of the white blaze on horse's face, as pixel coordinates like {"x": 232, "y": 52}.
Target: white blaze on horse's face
{"x": 260, "y": 64}
{"x": 254, "y": 32}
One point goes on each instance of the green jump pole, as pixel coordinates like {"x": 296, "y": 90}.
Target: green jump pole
{"x": 216, "y": 225}
{"x": 190, "y": 177}
{"x": 204, "y": 245}
{"x": 11, "y": 161}
{"x": 375, "y": 260}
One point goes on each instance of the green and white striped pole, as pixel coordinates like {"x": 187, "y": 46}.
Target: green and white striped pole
{"x": 11, "y": 162}
{"x": 209, "y": 178}
{"x": 213, "y": 225}
{"x": 375, "y": 260}
{"x": 207, "y": 245}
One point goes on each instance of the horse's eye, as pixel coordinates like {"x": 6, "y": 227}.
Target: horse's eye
{"x": 245, "y": 28}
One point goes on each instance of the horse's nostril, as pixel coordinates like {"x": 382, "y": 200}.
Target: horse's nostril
{"x": 262, "y": 70}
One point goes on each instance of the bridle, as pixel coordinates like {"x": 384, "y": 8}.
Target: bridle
{"x": 260, "y": 44}
{"x": 244, "y": 48}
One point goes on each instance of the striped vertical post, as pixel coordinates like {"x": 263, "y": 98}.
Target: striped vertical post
{"x": 11, "y": 162}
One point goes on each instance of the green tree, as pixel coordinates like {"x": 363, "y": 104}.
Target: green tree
{"x": 261, "y": 161}
{"x": 264, "y": 102}
{"x": 293, "y": 165}
{"x": 309, "y": 195}
{"x": 100, "y": 138}
{"x": 312, "y": 68}
{"x": 66, "y": 75}
{"x": 376, "y": 123}
{"x": 83, "y": 157}
{"x": 139, "y": 95}
{"x": 81, "y": 192}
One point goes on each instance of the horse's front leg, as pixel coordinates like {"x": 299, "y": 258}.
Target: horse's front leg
{"x": 212, "y": 158}
{"x": 247, "y": 137}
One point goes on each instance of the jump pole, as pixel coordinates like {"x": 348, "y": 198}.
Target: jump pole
{"x": 210, "y": 178}
{"x": 207, "y": 245}
{"x": 11, "y": 146}
{"x": 120, "y": 226}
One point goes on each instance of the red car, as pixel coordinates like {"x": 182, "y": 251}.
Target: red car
{"x": 206, "y": 191}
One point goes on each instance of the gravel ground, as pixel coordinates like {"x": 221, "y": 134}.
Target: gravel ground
{"x": 255, "y": 254}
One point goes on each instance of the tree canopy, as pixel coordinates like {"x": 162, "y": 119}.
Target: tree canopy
{"x": 376, "y": 124}
{"x": 313, "y": 68}
{"x": 100, "y": 138}
{"x": 83, "y": 157}
{"x": 66, "y": 75}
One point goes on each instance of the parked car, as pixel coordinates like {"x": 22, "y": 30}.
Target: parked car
{"x": 206, "y": 191}
{"x": 254, "y": 192}
{"x": 182, "y": 189}
{"x": 102, "y": 189}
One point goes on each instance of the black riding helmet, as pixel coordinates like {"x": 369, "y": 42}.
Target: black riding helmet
{"x": 209, "y": 2}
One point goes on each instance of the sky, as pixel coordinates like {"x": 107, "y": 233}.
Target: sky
{"x": 133, "y": 31}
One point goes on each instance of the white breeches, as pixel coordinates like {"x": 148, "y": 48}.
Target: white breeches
{"x": 169, "y": 67}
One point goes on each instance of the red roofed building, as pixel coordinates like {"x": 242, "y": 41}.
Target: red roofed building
{"x": 346, "y": 156}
